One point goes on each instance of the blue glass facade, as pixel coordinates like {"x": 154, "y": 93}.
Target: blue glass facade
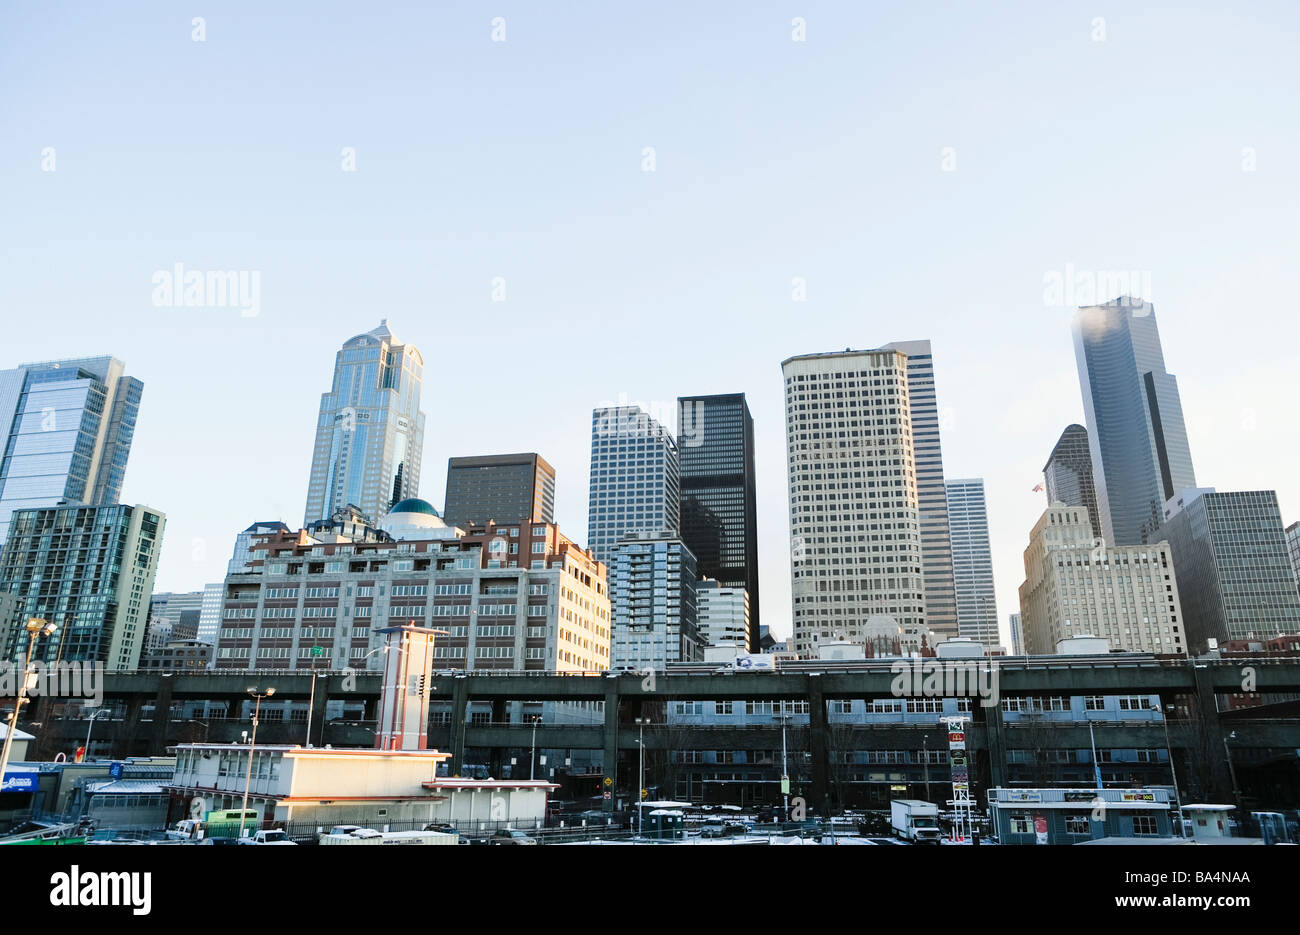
{"x": 1140, "y": 455}
{"x": 67, "y": 429}
{"x": 370, "y": 431}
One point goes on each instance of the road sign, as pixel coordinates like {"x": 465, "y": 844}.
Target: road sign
{"x": 609, "y": 781}
{"x": 317, "y": 651}
{"x": 607, "y": 795}
{"x": 645, "y": 794}
{"x": 115, "y": 770}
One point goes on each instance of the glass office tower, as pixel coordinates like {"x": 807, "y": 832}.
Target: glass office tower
{"x": 635, "y": 486}
{"x": 715, "y": 442}
{"x": 972, "y": 560}
{"x": 66, "y": 427}
{"x": 1068, "y": 474}
{"x": 370, "y": 432}
{"x": 1140, "y": 455}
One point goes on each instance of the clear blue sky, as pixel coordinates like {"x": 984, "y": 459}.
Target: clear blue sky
{"x": 522, "y": 159}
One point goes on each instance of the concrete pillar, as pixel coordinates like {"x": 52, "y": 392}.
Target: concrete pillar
{"x": 318, "y": 712}
{"x": 459, "y": 709}
{"x": 161, "y": 717}
{"x": 996, "y": 745}
{"x": 818, "y": 742}
{"x": 610, "y": 781}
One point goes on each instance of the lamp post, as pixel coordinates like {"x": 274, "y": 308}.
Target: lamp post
{"x": 641, "y": 722}
{"x": 91, "y": 726}
{"x": 252, "y": 742}
{"x": 785, "y": 770}
{"x": 1173, "y": 773}
{"x": 1232, "y": 773}
{"x": 36, "y": 627}
{"x": 532, "y": 749}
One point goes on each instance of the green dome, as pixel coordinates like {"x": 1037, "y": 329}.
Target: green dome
{"x": 414, "y": 505}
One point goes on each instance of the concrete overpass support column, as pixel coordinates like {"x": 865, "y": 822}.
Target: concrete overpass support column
{"x": 459, "y": 711}
{"x": 610, "y": 765}
{"x": 818, "y": 742}
{"x": 162, "y": 709}
{"x": 1211, "y": 729}
{"x": 318, "y": 712}
{"x": 997, "y": 744}
{"x": 129, "y": 727}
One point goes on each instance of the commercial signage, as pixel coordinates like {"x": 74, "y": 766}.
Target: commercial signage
{"x": 19, "y": 782}
{"x": 1009, "y": 796}
{"x": 1137, "y": 797}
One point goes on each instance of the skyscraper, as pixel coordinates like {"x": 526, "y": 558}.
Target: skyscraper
{"x": 66, "y": 428}
{"x": 936, "y": 550}
{"x": 653, "y": 603}
{"x": 370, "y": 431}
{"x": 1068, "y": 474}
{"x": 90, "y": 570}
{"x": 972, "y": 561}
{"x": 1138, "y": 441}
{"x": 635, "y": 484}
{"x": 854, "y": 510}
{"x": 715, "y": 442}
{"x": 1235, "y": 578}
{"x": 517, "y": 488}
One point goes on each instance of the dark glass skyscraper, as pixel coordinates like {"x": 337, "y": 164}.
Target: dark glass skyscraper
{"x": 715, "y": 441}
{"x": 1068, "y": 474}
{"x": 1140, "y": 455}
{"x": 517, "y": 488}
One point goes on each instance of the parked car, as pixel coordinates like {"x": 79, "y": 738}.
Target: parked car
{"x": 512, "y": 836}
{"x": 268, "y": 837}
{"x": 442, "y": 828}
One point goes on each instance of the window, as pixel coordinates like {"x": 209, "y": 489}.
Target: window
{"x": 1077, "y": 824}
{"x": 1144, "y": 824}
{"x": 1094, "y": 703}
{"x": 1022, "y": 824}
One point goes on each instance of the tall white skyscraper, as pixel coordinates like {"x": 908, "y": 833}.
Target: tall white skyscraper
{"x": 635, "y": 484}
{"x": 936, "y": 552}
{"x": 370, "y": 432}
{"x": 972, "y": 560}
{"x": 65, "y": 433}
{"x": 854, "y": 508}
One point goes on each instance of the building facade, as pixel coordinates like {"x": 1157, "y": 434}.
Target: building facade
{"x": 370, "y": 430}
{"x": 1067, "y": 475}
{"x": 635, "y": 486}
{"x": 719, "y": 511}
{"x": 936, "y": 549}
{"x": 1138, "y": 442}
{"x": 510, "y": 597}
{"x": 1126, "y": 595}
{"x": 1293, "y": 549}
{"x": 173, "y": 616}
{"x": 854, "y": 509}
{"x": 1234, "y": 570}
{"x": 972, "y": 560}
{"x": 210, "y": 613}
{"x": 1017, "y": 635}
{"x": 723, "y": 615}
{"x": 518, "y": 488}
{"x": 655, "y": 608}
{"x": 243, "y": 551}
{"x": 90, "y": 571}
{"x": 66, "y": 428}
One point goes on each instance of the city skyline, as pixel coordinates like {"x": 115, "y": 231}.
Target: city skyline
{"x": 750, "y": 224}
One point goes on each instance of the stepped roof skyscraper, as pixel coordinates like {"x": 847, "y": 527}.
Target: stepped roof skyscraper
{"x": 370, "y": 431}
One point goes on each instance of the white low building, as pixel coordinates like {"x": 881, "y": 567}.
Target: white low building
{"x": 326, "y": 786}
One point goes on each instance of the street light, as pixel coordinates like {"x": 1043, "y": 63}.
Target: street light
{"x": 785, "y": 771}
{"x": 641, "y": 722}
{"x": 36, "y": 627}
{"x": 1173, "y": 774}
{"x": 252, "y": 742}
{"x": 91, "y": 726}
{"x": 532, "y": 749}
{"x": 1232, "y": 772}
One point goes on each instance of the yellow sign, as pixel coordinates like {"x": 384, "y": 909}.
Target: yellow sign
{"x": 609, "y": 780}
